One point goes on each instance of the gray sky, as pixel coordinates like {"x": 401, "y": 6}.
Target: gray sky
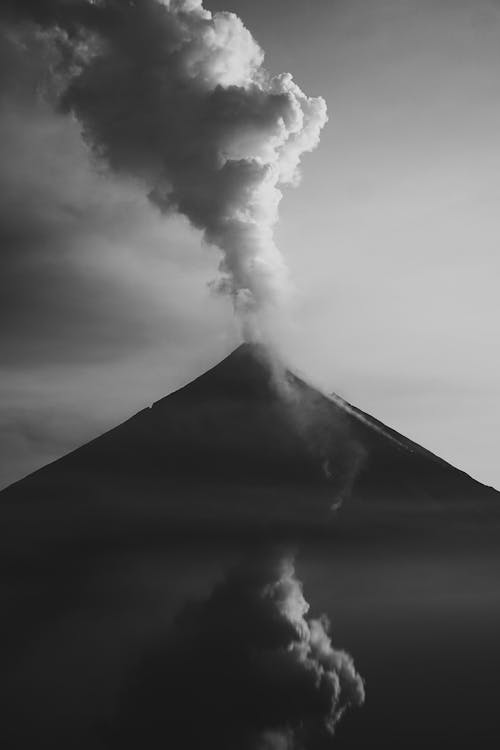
{"x": 391, "y": 239}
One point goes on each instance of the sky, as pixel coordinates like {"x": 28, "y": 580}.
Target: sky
{"x": 390, "y": 238}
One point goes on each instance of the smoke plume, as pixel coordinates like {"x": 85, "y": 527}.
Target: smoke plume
{"x": 178, "y": 97}
{"x": 246, "y": 668}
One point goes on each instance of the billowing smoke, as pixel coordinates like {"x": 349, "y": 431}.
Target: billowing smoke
{"x": 244, "y": 669}
{"x": 177, "y": 97}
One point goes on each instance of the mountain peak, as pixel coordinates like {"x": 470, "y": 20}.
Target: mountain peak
{"x": 250, "y": 441}
{"x": 247, "y": 372}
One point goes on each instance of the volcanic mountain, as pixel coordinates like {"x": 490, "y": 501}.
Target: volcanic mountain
{"x": 249, "y": 442}
{"x": 101, "y": 549}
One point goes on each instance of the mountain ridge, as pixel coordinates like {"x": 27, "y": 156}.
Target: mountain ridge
{"x": 249, "y": 440}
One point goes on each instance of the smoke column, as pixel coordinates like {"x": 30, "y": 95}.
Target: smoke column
{"x": 178, "y": 97}
{"x": 246, "y": 668}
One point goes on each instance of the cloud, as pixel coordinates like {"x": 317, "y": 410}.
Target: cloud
{"x": 245, "y": 668}
{"x": 91, "y": 272}
{"x": 178, "y": 97}
{"x": 96, "y": 286}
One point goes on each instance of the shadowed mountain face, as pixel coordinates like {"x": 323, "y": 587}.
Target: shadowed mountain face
{"x": 251, "y": 443}
{"x": 101, "y": 550}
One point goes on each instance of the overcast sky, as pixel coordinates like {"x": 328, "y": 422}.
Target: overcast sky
{"x": 391, "y": 239}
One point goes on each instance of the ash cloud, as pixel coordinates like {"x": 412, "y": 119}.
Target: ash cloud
{"x": 246, "y": 668}
{"x": 178, "y": 97}
{"x": 69, "y": 288}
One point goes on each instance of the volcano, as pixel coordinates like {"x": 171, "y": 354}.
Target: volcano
{"x": 249, "y": 443}
{"x": 102, "y": 548}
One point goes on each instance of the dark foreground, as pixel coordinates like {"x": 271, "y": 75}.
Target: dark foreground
{"x": 85, "y": 602}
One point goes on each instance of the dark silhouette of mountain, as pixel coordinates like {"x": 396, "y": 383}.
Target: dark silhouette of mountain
{"x": 250, "y": 442}
{"x": 101, "y": 549}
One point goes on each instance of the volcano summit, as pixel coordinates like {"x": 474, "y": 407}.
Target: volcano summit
{"x": 251, "y": 444}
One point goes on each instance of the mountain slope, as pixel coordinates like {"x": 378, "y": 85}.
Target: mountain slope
{"x": 248, "y": 441}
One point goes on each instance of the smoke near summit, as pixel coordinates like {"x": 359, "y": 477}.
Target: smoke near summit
{"x": 179, "y": 98}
